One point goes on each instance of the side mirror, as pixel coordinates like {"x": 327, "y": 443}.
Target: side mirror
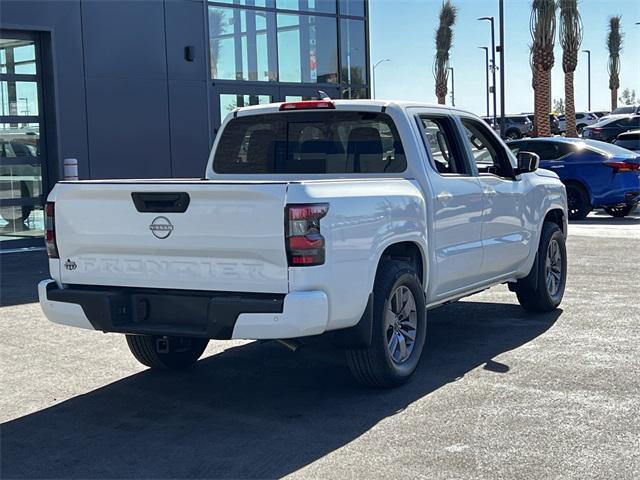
{"x": 527, "y": 162}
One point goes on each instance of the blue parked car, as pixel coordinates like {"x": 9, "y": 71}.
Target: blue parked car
{"x": 596, "y": 174}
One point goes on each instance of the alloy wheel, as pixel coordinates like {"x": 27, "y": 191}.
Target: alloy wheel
{"x": 401, "y": 323}
{"x": 553, "y": 268}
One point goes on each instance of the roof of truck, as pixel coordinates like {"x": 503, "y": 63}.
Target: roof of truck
{"x": 349, "y": 104}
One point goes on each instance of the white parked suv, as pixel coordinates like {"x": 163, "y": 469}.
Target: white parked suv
{"x": 583, "y": 119}
{"x": 349, "y": 218}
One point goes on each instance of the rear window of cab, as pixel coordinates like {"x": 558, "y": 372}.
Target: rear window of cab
{"x": 325, "y": 142}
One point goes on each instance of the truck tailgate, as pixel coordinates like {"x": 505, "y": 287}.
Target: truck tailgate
{"x": 229, "y": 238}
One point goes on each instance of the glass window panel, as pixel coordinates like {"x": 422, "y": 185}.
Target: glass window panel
{"x": 354, "y": 92}
{"x": 17, "y": 56}
{"x": 19, "y": 140}
{"x": 19, "y": 222}
{"x": 353, "y": 51}
{"x": 307, "y": 50}
{"x": 251, "y": 3}
{"x": 352, "y": 7}
{"x": 320, "y": 6}
{"x": 229, "y": 101}
{"x": 18, "y": 98}
{"x": 239, "y": 44}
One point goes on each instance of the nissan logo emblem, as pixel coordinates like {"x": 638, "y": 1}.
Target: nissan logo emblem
{"x": 161, "y": 227}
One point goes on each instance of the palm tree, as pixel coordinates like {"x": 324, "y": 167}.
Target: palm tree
{"x": 444, "y": 40}
{"x": 543, "y": 34}
{"x": 571, "y": 39}
{"x": 614, "y": 44}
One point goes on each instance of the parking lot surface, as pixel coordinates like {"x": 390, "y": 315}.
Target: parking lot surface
{"x": 500, "y": 393}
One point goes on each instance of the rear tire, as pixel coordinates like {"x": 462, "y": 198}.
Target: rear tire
{"x": 399, "y": 328}
{"x": 176, "y": 354}
{"x": 578, "y": 202}
{"x": 542, "y": 290}
{"x": 619, "y": 212}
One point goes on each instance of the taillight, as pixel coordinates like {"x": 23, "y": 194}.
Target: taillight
{"x": 50, "y": 230}
{"x": 620, "y": 167}
{"x": 308, "y": 105}
{"x": 305, "y": 244}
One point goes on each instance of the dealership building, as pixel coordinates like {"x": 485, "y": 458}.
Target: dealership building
{"x": 138, "y": 88}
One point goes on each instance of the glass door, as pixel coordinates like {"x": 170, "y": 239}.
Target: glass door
{"x": 22, "y": 152}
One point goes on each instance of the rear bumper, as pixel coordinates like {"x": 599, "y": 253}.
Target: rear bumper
{"x": 216, "y": 315}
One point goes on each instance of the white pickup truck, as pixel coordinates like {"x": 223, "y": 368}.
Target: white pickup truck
{"x": 346, "y": 218}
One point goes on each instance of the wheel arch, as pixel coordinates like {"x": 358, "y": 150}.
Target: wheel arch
{"x": 410, "y": 252}
{"x": 557, "y": 216}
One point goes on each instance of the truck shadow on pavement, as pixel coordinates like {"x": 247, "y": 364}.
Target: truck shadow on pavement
{"x": 254, "y": 411}
{"x": 19, "y": 276}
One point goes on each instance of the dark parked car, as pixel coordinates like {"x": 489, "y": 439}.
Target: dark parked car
{"x": 629, "y": 140}
{"x": 554, "y": 123}
{"x": 516, "y": 126}
{"x": 595, "y": 174}
{"x": 607, "y": 130}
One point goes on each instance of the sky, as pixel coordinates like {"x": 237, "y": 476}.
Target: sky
{"x": 403, "y": 31}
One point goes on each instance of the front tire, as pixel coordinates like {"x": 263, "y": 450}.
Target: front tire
{"x": 619, "y": 212}
{"x": 542, "y": 290}
{"x": 578, "y": 202}
{"x": 166, "y": 353}
{"x": 399, "y": 328}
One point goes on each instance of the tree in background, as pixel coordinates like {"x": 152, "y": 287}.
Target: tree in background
{"x": 216, "y": 28}
{"x": 628, "y": 97}
{"x": 614, "y": 45}
{"x": 543, "y": 35}
{"x": 444, "y": 41}
{"x": 571, "y": 39}
{"x": 559, "y": 107}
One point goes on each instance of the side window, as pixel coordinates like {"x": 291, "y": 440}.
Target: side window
{"x": 443, "y": 149}
{"x": 490, "y": 156}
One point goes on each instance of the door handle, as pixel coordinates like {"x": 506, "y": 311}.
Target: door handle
{"x": 489, "y": 192}
{"x": 444, "y": 197}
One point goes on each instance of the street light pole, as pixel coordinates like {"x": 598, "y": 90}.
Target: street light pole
{"x": 493, "y": 63}
{"x": 373, "y": 76}
{"x": 501, "y": 14}
{"x": 588, "y": 52}
{"x": 486, "y": 74}
{"x": 453, "y": 88}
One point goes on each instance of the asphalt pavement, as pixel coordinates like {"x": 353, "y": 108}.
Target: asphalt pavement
{"x": 500, "y": 393}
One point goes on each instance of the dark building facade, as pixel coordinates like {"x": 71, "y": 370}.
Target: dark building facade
{"x": 138, "y": 88}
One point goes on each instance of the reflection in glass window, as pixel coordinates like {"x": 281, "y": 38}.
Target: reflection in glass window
{"x": 307, "y": 50}
{"x": 257, "y": 3}
{"x": 352, "y": 7}
{"x": 320, "y": 6}
{"x": 24, "y": 221}
{"x": 242, "y": 44}
{"x": 353, "y": 52}
{"x": 354, "y": 92}
{"x": 230, "y": 101}
{"x": 17, "y": 56}
{"x": 19, "y": 98}
{"x": 19, "y": 140}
